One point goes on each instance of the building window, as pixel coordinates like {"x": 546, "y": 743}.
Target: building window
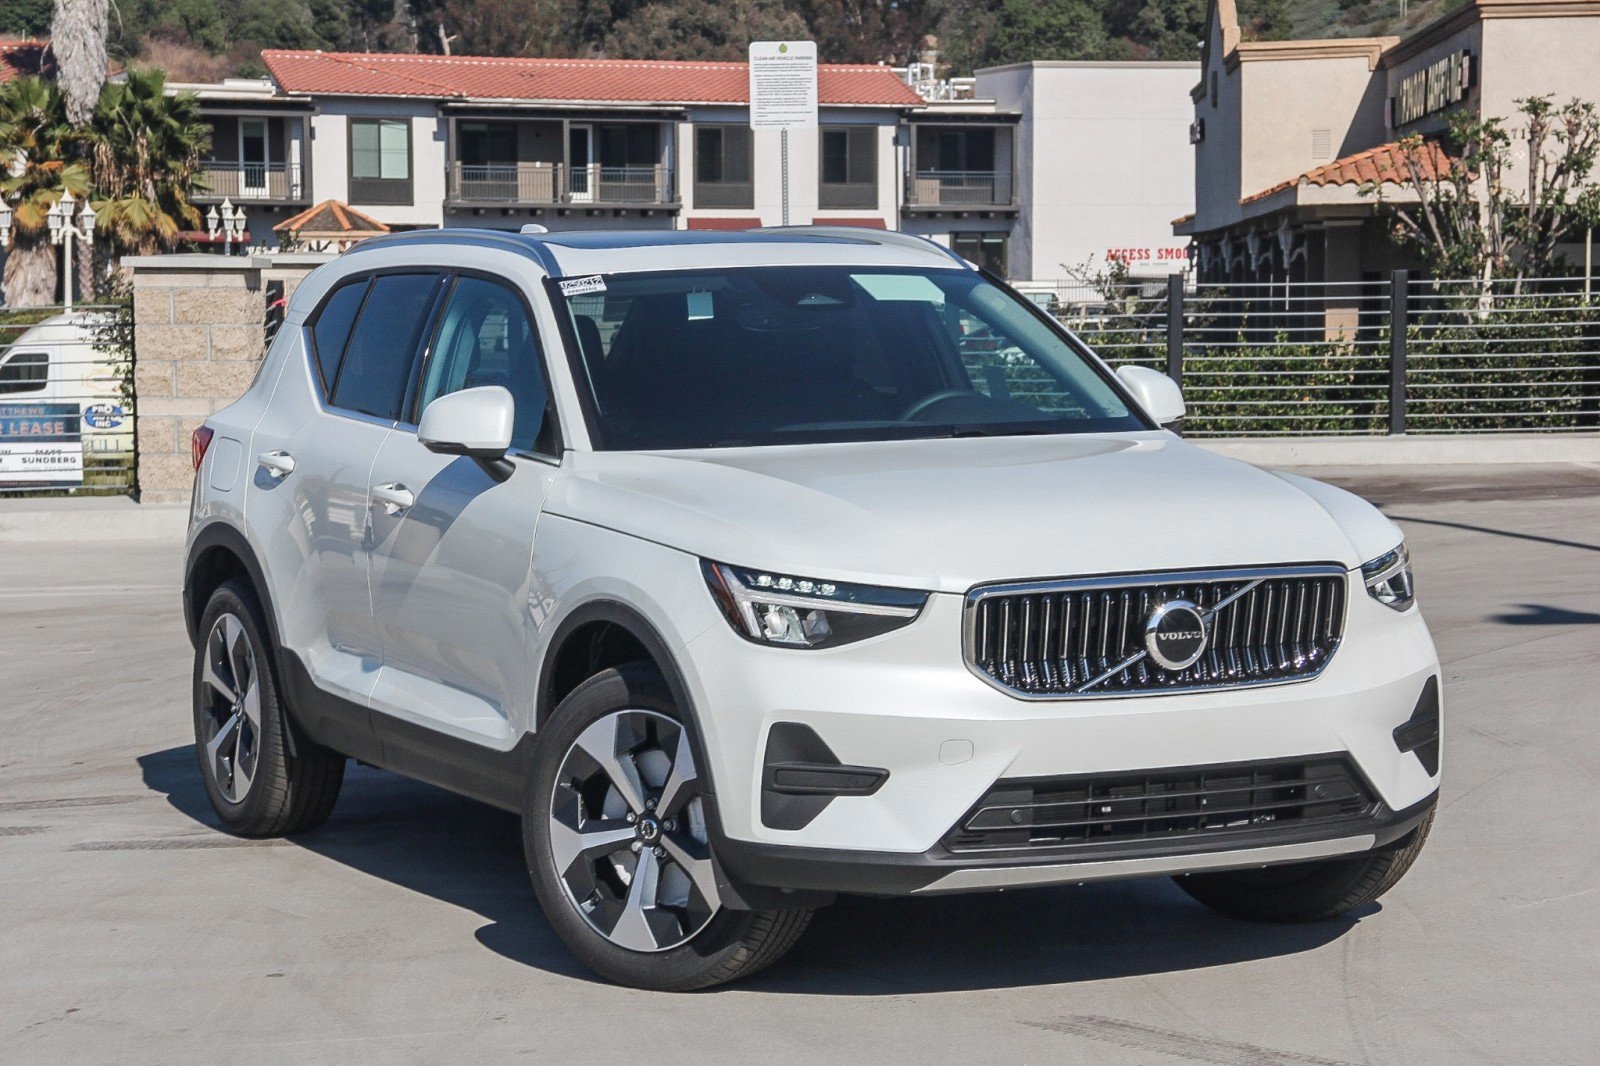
{"x": 848, "y": 165}
{"x": 722, "y": 165}
{"x": 988, "y": 250}
{"x": 380, "y": 161}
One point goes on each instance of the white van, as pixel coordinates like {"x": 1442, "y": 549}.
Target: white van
{"x": 48, "y": 375}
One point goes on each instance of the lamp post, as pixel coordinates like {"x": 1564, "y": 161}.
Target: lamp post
{"x": 229, "y": 224}
{"x": 70, "y": 221}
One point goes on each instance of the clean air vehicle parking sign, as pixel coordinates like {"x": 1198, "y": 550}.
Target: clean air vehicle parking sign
{"x": 41, "y": 444}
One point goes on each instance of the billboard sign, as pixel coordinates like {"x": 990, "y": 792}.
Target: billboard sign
{"x": 41, "y": 444}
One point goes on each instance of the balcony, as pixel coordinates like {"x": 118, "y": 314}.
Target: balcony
{"x": 958, "y": 189}
{"x": 551, "y": 184}
{"x": 251, "y": 182}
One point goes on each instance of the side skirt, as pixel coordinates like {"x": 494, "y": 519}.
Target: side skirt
{"x": 472, "y": 770}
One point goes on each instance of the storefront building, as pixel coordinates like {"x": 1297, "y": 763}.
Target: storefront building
{"x": 1293, "y": 140}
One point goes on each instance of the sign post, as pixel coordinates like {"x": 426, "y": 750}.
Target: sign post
{"x": 783, "y": 94}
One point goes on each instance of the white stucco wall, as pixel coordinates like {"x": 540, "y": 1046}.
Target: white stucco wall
{"x": 804, "y": 152}
{"x": 1104, "y": 163}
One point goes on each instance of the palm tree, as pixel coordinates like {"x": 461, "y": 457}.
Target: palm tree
{"x": 39, "y": 145}
{"x": 78, "y": 39}
{"x": 147, "y": 148}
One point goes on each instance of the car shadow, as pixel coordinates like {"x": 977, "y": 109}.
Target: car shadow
{"x": 469, "y": 855}
{"x": 1539, "y": 614}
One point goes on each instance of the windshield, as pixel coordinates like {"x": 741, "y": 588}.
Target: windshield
{"x": 797, "y": 355}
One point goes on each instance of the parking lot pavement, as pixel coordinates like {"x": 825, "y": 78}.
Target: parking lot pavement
{"x": 405, "y": 928}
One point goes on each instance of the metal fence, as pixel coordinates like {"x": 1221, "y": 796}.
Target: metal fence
{"x": 66, "y": 404}
{"x": 1397, "y": 355}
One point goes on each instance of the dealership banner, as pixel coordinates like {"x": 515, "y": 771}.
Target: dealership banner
{"x": 41, "y": 444}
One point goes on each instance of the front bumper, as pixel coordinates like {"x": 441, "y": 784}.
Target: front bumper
{"x": 906, "y": 703}
{"x": 940, "y": 871}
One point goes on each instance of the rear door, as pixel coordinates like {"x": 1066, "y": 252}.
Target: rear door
{"x": 314, "y": 448}
{"x": 452, "y": 541}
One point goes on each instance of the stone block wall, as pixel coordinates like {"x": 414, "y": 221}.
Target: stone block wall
{"x": 198, "y": 338}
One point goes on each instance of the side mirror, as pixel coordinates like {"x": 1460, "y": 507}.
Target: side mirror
{"x": 473, "y": 422}
{"x": 1158, "y": 394}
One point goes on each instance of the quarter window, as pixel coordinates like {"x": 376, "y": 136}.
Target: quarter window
{"x": 377, "y": 361}
{"x": 380, "y": 161}
{"x": 485, "y": 338}
{"x": 332, "y": 331}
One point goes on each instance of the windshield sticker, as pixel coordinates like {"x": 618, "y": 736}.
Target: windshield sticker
{"x": 582, "y": 286}
{"x": 699, "y": 306}
{"x": 912, "y": 288}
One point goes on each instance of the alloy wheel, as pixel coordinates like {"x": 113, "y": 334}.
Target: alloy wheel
{"x": 231, "y": 691}
{"x": 628, "y": 832}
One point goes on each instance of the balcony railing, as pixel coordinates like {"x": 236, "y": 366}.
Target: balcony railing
{"x": 247, "y": 182}
{"x": 959, "y": 188}
{"x": 847, "y": 194}
{"x": 553, "y": 183}
{"x": 522, "y": 183}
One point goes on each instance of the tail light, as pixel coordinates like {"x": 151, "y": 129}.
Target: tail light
{"x": 199, "y": 441}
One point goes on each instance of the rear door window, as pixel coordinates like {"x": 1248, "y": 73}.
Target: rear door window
{"x": 378, "y": 358}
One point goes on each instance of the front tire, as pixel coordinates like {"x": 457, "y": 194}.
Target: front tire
{"x": 1309, "y": 891}
{"x": 615, "y": 830}
{"x": 256, "y": 787}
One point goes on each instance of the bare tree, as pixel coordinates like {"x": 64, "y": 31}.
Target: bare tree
{"x": 78, "y": 39}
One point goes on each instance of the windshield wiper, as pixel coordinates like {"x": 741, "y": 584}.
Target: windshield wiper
{"x": 995, "y": 431}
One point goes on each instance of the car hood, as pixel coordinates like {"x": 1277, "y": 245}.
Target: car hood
{"x": 950, "y": 514}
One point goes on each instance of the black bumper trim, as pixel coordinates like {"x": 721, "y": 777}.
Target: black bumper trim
{"x": 875, "y": 873}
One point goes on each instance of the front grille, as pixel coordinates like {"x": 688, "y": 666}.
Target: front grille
{"x": 1060, "y": 640}
{"x": 1164, "y": 804}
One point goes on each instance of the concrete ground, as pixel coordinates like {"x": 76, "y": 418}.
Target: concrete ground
{"x": 405, "y": 929}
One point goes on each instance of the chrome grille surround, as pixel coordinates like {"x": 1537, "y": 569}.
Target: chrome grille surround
{"x": 1083, "y": 638}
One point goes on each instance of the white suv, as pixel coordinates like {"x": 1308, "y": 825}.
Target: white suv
{"x": 756, "y": 568}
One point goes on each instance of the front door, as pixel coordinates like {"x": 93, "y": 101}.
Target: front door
{"x": 451, "y": 562}
{"x": 254, "y": 157}
{"x": 581, "y": 159}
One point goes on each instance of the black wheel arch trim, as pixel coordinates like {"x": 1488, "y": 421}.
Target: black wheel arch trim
{"x": 219, "y": 533}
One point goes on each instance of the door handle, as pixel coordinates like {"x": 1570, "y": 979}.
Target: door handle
{"x": 277, "y": 463}
{"x": 394, "y": 496}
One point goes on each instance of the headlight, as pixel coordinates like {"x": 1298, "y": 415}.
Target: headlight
{"x": 799, "y": 612}
{"x": 1388, "y": 579}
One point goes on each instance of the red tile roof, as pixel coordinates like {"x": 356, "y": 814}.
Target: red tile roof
{"x": 1385, "y": 164}
{"x": 19, "y": 58}
{"x": 331, "y": 218}
{"x": 562, "y": 80}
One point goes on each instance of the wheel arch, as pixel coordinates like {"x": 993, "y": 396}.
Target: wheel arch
{"x": 598, "y": 635}
{"x": 217, "y": 553}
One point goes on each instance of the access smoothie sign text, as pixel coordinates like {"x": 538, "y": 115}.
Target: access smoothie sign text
{"x": 41, "y": 444}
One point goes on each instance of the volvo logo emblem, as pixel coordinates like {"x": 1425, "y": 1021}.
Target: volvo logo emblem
{"x": 1175, "y": 634}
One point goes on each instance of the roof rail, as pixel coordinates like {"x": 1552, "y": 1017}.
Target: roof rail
{"x": 531, "y": 248}
{"x": 887, "y": 237}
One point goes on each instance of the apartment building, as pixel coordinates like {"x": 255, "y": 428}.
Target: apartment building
{"x": 1292, "y": 139}
{"x": 1022, "y": 169}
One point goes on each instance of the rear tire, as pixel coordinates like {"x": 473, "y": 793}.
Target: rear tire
{"x": 615, "y": 830}
{"x": 256, "y": 787}
{"x": 1307, "y": 892}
